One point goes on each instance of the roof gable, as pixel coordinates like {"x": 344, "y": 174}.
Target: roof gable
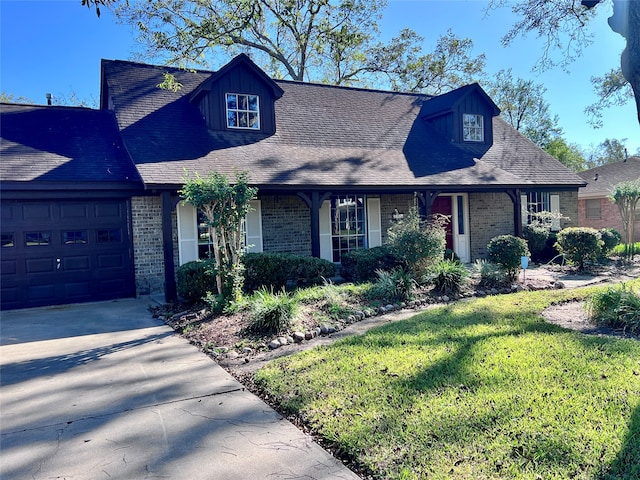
{"x": 238, "y": 62}
{"x": 449, "y": 102}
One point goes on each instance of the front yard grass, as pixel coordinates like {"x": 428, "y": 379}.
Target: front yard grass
{"x": 474, "y": 390}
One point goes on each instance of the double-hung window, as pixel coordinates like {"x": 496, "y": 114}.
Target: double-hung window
{"x": 472, "y": 127}
{"x": 243, "y": 111}
{"x": 534, "y": 203}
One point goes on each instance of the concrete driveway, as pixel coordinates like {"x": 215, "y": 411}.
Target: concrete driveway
{"x": 102, "y": 390}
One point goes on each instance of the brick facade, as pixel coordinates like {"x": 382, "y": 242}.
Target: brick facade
{"x": 490, "y": 214}
{"x": 609, "y": 217}
{"x": 388, "y": 204}
{"x": 286, "y": 225}
{"x": 146, "y": 221}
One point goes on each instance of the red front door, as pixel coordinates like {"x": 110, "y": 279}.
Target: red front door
{"x": 442, "y": 205}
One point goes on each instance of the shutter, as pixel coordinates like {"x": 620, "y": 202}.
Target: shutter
{"x": 253, "y": 225}
{"x": 187, "y": 233}
{"x": 554, "y": 200}
{"x": 326, "y": 248}
{"x": 374, "y": 228}
{"x": 523, "y": 210}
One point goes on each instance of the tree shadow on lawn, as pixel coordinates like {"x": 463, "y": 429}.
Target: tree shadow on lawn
{"x": 464, "y": 336}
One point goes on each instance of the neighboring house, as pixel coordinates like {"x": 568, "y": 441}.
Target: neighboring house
{"x": 334, "y": 166}
{"x": 595, "y": 208}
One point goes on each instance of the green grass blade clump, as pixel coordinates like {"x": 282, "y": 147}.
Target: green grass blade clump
{"x": 270, "y": 312}
{"x": 478, "y": 389}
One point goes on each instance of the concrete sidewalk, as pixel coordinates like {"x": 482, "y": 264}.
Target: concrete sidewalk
{"x": 102, "y": 390}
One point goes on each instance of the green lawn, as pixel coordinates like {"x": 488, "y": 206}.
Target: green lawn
{"x": 479, "y": 389}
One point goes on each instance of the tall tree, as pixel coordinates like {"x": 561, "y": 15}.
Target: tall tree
{"x": 612, "y": 150}
{"x": 522, "y": 104}
{"x": 333, "y": 42}
{"x": 563, "y": 24}
{"x": 569, "y": 154}
{"x": 627, "y": 196}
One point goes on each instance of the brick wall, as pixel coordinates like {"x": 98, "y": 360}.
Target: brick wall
{"x": 609, "y": 217}
{"x": 286, "y": 225}
{"x": 146, "y": 219}
{"x": 388, "y": 204}
{"x": 490, "y": 214}
{"x": 569, "y": 208}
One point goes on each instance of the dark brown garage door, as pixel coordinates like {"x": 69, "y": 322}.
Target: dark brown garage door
{"x": 56, "y": 252}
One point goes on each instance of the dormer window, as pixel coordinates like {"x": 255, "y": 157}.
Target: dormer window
{"x": 243, "y": 111}
{"x": 472, "y": 127}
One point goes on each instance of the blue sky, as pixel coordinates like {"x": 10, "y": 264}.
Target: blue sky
{"x": 56, "y": 46}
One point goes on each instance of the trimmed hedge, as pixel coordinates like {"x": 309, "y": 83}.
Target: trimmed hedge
{"x": 580, "y": 244}
{"x": 274, "y": 270}
{"x": 610, "y": 238}
{"x": 506, "y": 250}
{"x": 196, "y": 278}
{"x": 362, "y": 265}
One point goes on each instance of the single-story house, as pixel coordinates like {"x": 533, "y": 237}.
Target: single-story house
{"x": 595, "y": 208}
{"x": 334, "y": 167}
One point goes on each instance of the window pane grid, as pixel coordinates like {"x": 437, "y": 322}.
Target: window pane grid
{"x": 537, "y": 202}
{"x": 243, "y": 111}
{"x": 347, "y": 225}
{"x": 472, "y": 128}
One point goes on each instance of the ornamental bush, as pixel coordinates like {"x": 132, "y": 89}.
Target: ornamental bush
{"x": 580, "y": 244}
{"x": 361, "y": 265}
{"x": 610, "y": 238}
{"x": 196, "y": 279}
{"x": 271, "y": 313}
{"x": 506, "y": 251}
{"x": 449, "y": 276}
{"x": 536, "y": 236}
{"x": 274, "y": 270}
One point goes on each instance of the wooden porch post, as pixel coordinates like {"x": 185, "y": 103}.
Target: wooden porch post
{"x": 170, "y": 288}
{"x": 314, "y": 202}
{"x": 515, "y": 197}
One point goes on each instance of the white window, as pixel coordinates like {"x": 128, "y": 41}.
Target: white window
{"x": 348, "y": 224}
{"x": 193, "y": 235}
{"x": 243, "y": 111}
{"x": 538, "y": 202}
{"x": 472, "y": 127}
{"x": 593, "y": 208}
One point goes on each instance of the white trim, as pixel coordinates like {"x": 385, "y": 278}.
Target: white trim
{"x": 524, "y": 209}
{"x": 326, "y": 246}
{"x": 374, "y": 223}
{"x": 554, "y": 204}
{"x": 461, "y": 241}
{"x": 253, "y": 227}
{"x": 187, "y": 233}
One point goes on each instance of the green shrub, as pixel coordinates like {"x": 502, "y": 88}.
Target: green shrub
{"x": 580, "y": 244}
{"x": 418, "y": 243}
{"x": 623, "y": 249}
{"x": 398, "y": 285}
{"x": 310, "y": 270}
{"x": 361, "y": 265}
{"x": 491, "y": 274}
{"x": 451, "y": 255}
{"x": 610, "y": 238}
{"x": 536, "y": 236}
{"x": 506, "y": 251}
{"x": 195, "y": 279}
{"x": 271, "y": 313}
{"x": 449, "y": 276}
{"x": 617, "y": 307}
{"x": 273, "y": 270}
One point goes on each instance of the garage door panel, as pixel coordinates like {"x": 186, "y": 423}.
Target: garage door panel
{"x": 65, "y": 251}
{"x": 37, "y": 211}
{"x": 38, "y": 293}
{"x": 110, "y": 261}
{"x": 8, "y": 267}
{"x": 40, "y": 265}
{"x": 77, "y": 289}
{"x": 75, "y": 264}
{"x": 74, "y": 211}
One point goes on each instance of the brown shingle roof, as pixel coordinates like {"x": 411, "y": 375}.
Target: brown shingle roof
{"x": 608, "y": 176}
{"x": 62, "y": 144}
{"x": 325, "y": 136}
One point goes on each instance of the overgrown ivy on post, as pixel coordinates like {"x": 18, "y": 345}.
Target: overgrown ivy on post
{"x": 627, "y": 196}
{"x": 224, "y": 206}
